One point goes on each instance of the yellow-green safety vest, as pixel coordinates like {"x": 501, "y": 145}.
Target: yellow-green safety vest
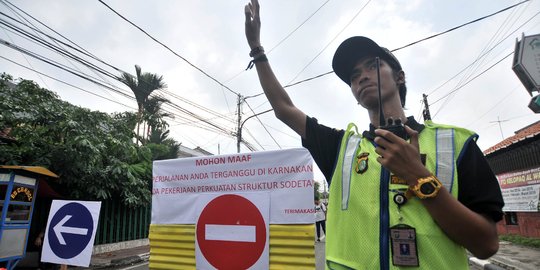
{"x": 361, "y": 208}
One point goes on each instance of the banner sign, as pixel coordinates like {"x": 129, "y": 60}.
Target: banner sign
{"x": 518, "y": 179}
{"x": 286, "y": 174}
{"x": 521, "y": 199}
{"x": 520, "y": 190}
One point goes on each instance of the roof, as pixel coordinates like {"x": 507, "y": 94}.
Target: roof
{"x": 33, "y": 169}
{"x": 188, "y": 152}
{"x": 527, "y": 132}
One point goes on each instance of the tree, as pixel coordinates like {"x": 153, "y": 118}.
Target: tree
{"x": 92, "y": 152}
{"x": 154, "y": 116}
{"x": 142, "y": 86}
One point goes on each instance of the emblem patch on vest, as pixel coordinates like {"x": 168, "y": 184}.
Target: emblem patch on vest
{"x": 396, "y": 180}
{"x": 362, "y": 163}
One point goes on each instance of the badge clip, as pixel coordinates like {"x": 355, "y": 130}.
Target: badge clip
{"x": 362, "y": 163}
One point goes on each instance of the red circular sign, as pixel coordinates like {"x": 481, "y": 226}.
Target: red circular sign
{"x": 227, "y": 211}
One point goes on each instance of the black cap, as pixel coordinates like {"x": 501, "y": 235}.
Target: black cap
{"x": 353, "y": 49}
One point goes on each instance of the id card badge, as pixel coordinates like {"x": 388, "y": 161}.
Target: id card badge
{"x": 403, "y": 242}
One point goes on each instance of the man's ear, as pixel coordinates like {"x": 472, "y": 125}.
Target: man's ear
{"x": 400, "y": 77}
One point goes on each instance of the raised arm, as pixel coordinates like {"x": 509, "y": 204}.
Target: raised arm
{"x": 282, "y": 104}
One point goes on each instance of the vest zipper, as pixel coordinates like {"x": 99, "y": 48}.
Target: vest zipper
{"x": 384, "y": 221}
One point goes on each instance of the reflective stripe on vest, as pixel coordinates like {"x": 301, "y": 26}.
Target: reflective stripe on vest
{"x": 444, "y": 164}
{"x": 445, "y": 157}
{"x": 348, "y": 160}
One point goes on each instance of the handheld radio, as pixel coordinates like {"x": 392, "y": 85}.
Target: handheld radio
{"x": 394, "y": 126}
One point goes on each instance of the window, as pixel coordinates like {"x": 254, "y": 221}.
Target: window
{"x": 511, "y": 218}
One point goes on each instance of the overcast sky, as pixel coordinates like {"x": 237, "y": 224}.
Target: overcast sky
{"x": 210, "y": 35}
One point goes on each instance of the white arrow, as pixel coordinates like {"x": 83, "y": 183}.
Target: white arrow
{"x": 59, "y": 229}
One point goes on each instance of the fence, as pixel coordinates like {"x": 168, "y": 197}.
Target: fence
{"x": 118, "y": 223}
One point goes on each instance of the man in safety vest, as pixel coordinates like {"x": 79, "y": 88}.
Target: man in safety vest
{"x": 411, "y": 196}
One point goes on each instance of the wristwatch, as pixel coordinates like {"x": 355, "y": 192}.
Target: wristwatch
{"x": 426, "y": 187}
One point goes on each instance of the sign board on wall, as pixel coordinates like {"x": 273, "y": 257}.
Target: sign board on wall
{"x": 286, "y": 174}
{"x": 520, "y": 190}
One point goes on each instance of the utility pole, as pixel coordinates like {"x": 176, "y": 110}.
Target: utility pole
{"x": 239, "y": 128}
{"x": 427, "y": 115}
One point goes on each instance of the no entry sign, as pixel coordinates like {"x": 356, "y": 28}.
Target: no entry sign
{"x": 232, "y": 232}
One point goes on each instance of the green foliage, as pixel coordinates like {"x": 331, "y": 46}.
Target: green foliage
{"x": 142, "y": 86}
{"x": 521, "y": 240}
{"x": 92, "y": 152}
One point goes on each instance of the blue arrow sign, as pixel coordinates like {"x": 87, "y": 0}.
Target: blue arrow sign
{"x": 70, "y": 230}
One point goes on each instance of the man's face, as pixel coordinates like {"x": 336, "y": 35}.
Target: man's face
{"x": 364, "y": 82}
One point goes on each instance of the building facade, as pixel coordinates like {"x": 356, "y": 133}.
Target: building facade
{"x": 516, "y": 162}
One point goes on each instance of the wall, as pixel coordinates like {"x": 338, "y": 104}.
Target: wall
{"x": 528, "y": 225}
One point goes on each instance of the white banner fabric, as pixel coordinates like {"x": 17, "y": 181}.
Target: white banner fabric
{"x": 521, "y": 199}
{"x": 286, "y": 174}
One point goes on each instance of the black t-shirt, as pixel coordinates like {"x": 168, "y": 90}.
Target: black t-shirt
{"x": 478, "y": 187}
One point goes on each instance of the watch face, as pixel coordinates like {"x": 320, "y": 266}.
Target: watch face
{"x": 427, "y": 188}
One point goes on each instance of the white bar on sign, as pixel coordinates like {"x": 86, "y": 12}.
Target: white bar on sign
{"x": 233, "y": 233}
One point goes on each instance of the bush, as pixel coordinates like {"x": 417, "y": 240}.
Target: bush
{"x": 521, "y": 240}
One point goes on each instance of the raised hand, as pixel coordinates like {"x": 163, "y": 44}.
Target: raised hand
{"x": 253, "y": 24}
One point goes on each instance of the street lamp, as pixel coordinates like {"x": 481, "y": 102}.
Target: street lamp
{"x": 239, "y": 132}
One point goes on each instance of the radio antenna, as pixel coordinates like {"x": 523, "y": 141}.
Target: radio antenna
{"x": 382, "y": 121}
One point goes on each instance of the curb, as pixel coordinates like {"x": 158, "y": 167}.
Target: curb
{"x": 130, "y": 260}
{"x": 485, "y": 264}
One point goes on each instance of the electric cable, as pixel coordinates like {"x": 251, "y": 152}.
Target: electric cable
{"x": 200, "y": 107}
{"x": 257, "y": 116}
{"x": 416, "y": 42}
{"x": 329, "y": 43}
{"x": 459, "y": 26}
{"x": 465, "y": 68}
{"x": 66, "y": 83}
{"x": 63, "y": 49}
{"x": 490, "y": 67}
{"x": 169, "y": 49}
{"x": 58, "y": 65}
{"x": 285, "y": 38}
{"x": 44, "y": 43}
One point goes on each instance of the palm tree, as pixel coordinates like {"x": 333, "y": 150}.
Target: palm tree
{"x": 142, "y": 86}
{"x": 154, "y": 116}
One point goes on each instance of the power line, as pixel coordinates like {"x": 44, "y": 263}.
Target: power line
{"x": 257, "y": 116}
{"x": 479, "y": 60}
{"x": 214, "y": 127}
{"x": 56, "y": 49}
{"x": 416, "y": 42}
{"x": 66, "y": 83}
{"x": 298, "y": 27}
{"x": 332, "y": 40}
{"x": 57, "y": 43}
{"x": 465, "y": 68}
{"x": 169, "y": 49}
{"x": 285, "y": 38}
{"x": 54, "y": 31}
{"x": 50, "y": 46}
{"x": 60, "y": 66}
{"x": 490, "y": 67}
{"x": 459, "y": 26}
